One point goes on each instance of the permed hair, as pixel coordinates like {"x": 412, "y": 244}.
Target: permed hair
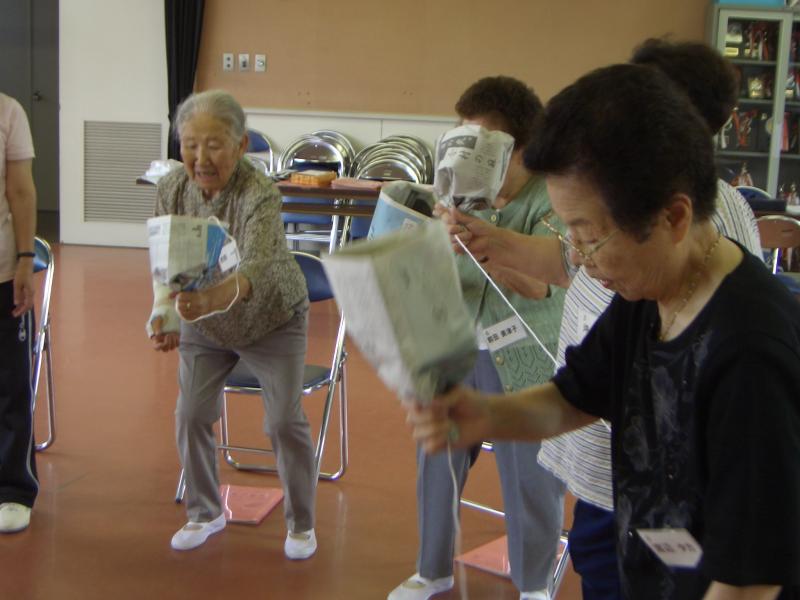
{"x": 630, "y": 132}
{"x": 504, "y": 98}
{"x": 217, "y": 103}
{"x": 709, "y": 79}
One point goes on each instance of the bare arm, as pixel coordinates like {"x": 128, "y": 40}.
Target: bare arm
{"x": 21, "y": 194}
{"x": 722, "y": 591}
{"x": 518, "y": 282}
{"x": 465, "y": 417}
{"x": 537, "y": 256}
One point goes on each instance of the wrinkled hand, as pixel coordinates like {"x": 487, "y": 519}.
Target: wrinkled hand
{"x": 191, "y": 305}
{"x": 163, "y": 341}
{"x": 476, "y": 234}
{"x": 459, "y": 417}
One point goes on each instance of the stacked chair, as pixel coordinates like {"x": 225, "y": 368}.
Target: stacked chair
{"x": 321, "y": 150}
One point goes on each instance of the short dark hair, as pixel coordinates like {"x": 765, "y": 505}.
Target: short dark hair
{"x": 511, "y": 101}
{"x": 709, "y": 79}
{"x": 629, "y": 131}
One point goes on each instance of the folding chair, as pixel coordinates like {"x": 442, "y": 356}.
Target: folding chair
{"x": 316, "y": 377}
{"x": 563, "y": 560}
{"x": 43, "y": 262}
{"x": 778, "y": 234}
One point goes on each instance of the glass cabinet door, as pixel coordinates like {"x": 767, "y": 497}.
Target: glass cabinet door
{"x": 760, "y": 138}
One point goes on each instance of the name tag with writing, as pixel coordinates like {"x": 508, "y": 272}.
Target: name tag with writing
{"x": 675, "y": 547}
{"x": 502, "y": 334}
{"x": 228, "y": 257}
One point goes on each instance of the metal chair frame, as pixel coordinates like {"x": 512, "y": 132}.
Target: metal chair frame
{"x": 257, "y": 146}
{"x": 333, "y": 237}
{"x": 778, "y": 233}
{"x": 44, "y": 262}
{"x": 561, "y": 566}
{"x": 335, "y": 380}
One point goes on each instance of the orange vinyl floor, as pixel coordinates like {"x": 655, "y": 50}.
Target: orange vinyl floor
{"x": 105, "y": 513}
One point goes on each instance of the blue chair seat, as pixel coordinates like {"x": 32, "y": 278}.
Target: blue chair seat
{"x": 314, "y": 376}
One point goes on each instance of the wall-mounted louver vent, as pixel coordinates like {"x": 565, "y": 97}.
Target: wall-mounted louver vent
{"x": 115, "y": 154}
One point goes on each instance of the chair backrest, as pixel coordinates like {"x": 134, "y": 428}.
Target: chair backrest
{"x": 317, "y": 281}
{"x": 44, "y": 262}
{"x": 257, "y": 142}
{"x": 777, "y": 233}
{"x": 260, "y": 148}
{"x": 44, "y": 255}
{"x": 753, "y": 193}
{"x": 759, "y": 199}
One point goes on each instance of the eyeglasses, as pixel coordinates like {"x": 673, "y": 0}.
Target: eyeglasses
{"x": 586, "y": 255}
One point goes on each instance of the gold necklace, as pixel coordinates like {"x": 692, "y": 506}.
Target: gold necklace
{"x": 690, "y": 291}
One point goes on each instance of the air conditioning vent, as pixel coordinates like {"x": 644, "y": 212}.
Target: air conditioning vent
{"x": 115, "y": 154}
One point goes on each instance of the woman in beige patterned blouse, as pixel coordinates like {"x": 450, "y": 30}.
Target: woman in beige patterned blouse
{"x": 264, "y": 325}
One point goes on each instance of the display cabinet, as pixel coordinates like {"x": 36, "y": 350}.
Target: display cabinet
{"x": 759, "y": 145}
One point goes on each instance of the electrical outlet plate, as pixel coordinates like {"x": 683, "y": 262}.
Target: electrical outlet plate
{"x": 244, "y": 62}
{"x": 260, "y": 63}
{"x": 227, "y": 61}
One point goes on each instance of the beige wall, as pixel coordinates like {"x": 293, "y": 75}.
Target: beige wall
{"x": 416, "y": 56}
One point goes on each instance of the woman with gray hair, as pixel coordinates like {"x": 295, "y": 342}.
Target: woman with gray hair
{"x": 257, "y": 315}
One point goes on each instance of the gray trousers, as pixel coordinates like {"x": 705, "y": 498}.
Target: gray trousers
{"x": 277, "y": 362}
{"x": 533, "y": 502}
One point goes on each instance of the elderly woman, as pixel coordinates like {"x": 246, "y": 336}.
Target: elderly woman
{"x": 533, "y": 498}
{"x": 696, "y": 362}
{"x": 260, "y": 317}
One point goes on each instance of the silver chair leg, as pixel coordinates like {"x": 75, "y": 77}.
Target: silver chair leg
{"x": 43, "y": 349}
{"x": 561, "y": 565}
{"x": 337, "y": 380}
{"x": 181, "y": 489}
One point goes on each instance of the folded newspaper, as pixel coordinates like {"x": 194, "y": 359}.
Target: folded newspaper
{"x": 471, "y": 164}
{"x": 185, "y": 252}
{"x": 402, "y": 302}
{"x": 401, "y": 205}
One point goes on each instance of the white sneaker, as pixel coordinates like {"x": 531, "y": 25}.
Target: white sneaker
{"x": 540, "y": 595}
{"x": 14, "y": 517}
{"x": 195, "y": 534}
{"x": 299, "y": 546}
{"x": 417, "y": 587}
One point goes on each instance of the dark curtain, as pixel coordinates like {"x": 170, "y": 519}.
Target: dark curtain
{"x": 184, "y": 25}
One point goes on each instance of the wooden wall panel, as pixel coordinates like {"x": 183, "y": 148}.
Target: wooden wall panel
{"x": 417, "y": 56}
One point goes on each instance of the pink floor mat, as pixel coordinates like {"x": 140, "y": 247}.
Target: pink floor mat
{"x": 249, "y": 505}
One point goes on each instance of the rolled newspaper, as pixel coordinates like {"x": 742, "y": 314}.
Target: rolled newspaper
{"x": 401, "y": 205}
{"x": 402, "y": 302}
{"x": 471, "y": 165}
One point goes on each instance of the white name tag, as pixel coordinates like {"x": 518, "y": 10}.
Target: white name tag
{"x": 228, "y": 257}
{"x": 502, "y": 334}
{"x": 675, "y": 547}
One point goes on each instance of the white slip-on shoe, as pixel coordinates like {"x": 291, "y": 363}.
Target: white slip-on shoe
{"x": 14, "y": 517}
{"x": 417, "y": 587}
{"x": 195, "y": 534}
{"x": 299, "y": 546}
{"x": 539, "y": 595}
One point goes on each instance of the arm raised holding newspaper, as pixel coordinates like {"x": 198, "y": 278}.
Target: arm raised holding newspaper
{"x": 513, "y": 259}
{"x": 191, "y": 306}
{"x": 464, "y": 417}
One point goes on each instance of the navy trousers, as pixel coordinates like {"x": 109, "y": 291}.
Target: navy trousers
{"x": 18, "y": 482}
{"x": 593, "y": 550}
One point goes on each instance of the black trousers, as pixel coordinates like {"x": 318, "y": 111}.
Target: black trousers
{"x": 18, "y": 482}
